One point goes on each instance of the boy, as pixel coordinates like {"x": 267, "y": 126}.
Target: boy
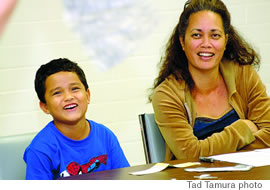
{"x": 70, "y": 144}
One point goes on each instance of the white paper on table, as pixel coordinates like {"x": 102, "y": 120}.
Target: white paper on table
{"x": 265, "y": 150}
{"x": 156, "y": 168}
{"x": 239, "y": 167}
{"x": 187, "y": 164}
{"x": 162, "y": 166}
{"x": 256, "y": 158}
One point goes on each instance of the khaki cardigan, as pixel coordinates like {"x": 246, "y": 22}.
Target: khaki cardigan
{"x": 175, "y": 114}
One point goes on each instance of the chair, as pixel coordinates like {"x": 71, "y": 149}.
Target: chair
{"x": 12, "y": 165}
{"x": 154, "y": 144}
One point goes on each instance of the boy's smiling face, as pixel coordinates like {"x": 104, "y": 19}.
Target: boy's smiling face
{"x": 66, "y": 98}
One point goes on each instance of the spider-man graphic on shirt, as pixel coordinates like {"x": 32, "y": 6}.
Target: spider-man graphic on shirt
{"x": 74, "y": 168}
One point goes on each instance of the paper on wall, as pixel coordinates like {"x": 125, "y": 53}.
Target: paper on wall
{"x": 109, "y": 29}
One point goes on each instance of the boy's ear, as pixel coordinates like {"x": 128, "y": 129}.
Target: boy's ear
{"x": 44, "y": 107}
{"x": 88, "y": 95}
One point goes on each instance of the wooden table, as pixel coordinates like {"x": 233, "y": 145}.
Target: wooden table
{"x": 256, "y": 173}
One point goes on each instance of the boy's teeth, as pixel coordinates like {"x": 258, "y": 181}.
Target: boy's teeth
{"x": 70, "y": 107}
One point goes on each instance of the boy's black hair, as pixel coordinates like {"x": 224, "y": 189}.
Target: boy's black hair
{"x": 52, "y": 67}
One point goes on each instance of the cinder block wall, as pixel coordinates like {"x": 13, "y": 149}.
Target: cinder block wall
{"x": 37, "y": 33}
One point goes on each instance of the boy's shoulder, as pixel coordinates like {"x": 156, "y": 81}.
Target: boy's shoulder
{"x": 50, "y": 135}
{"x": 98, "y": 127}
{"x": 45, "y": 135}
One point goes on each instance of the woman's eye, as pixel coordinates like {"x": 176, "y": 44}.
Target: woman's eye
{"x": 196, "y": 35}
{"x": 216, "y": 36}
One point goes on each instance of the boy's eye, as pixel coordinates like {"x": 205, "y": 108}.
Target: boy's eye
{"x": 56, "y": 93}
{"x": 75, "y": 88}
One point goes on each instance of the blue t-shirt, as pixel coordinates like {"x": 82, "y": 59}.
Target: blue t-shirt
{"x": 51, "y": 154}
{"x": 205, "y": 127}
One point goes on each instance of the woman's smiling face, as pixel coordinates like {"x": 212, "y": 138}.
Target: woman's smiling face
{"x": 205, "y": 40}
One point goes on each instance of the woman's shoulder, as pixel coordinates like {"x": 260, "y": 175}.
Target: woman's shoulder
{"x": 169, "y": 89}
{"x": 245, "y": 70}
{"x": 232, "y": 66}
{"x": 171, "y": 83}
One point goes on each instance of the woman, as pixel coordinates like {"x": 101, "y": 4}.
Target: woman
{"x": 208, "y": 99}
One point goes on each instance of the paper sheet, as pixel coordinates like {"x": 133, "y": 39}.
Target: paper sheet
{"x": 110, "y": 29}
{"x": 156, "y": 168}
{"x": 162, "y": 166}
{"x": 256, "y": 158}
{"x": 238, "y": 167}
{"x": 187, "y": 164}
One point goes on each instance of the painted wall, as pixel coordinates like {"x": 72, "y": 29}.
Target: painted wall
{"x": 37, "y": 33}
